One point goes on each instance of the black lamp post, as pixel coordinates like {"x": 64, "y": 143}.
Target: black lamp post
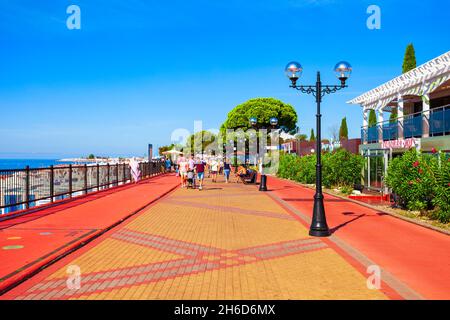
{"x": 319, "y": 227}
{"x": 263, "y": 183}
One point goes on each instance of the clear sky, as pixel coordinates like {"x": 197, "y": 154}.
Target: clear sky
{"x": 138, "y": 69}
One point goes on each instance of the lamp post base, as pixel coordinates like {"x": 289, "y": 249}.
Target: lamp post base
{"x": 319, "y": 227}
{"x": 319, "y": 233}
{"x": 263, "y": 183}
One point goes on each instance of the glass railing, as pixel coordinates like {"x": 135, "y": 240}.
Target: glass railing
{"x": 440, "y": 121}
{"x": 439, "y": 125}
{"x": 363, "y": 135}
{"x": 412, "y": 125}
{"x": 390, "y": 131}
{"x": 372, "y": 134}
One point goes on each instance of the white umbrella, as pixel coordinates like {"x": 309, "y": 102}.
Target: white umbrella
{"x": 173, "y": 151}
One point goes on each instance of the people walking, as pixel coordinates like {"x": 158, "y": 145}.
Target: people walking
{"x": 200, "y": 169}
{"x": 182, "y": 169}
{"x": 214, "y": 167}
{"x": 168, "y": 164}
{"x": 191, "y": 169}
{"x": 134, "y": 169}
{"x": 226, "y": 170}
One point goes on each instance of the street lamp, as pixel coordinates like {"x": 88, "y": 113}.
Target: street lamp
{"x": 263, "y": 182}
{"x": 319, "y": 227}
{"x": 273, "y": 121}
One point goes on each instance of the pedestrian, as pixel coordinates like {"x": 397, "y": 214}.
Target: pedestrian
{"x": 226, "y": 170}
{"x": 182, "y": 169}
{"x": 200, "y": 170}
{"x": 191, "y": 168}
{"x": 208, "y": 167}
{"x": 134, "y": 170}
{"x": 168, "y": 165}
{"x": 214, "y": 169}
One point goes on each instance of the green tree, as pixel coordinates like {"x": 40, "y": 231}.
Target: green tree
{"x": 91, "y": 156}
{"x": 263, "y": 109}
{"x": 165, "y": 148}
{"x": 409, "y": 61}
{"x": 343, "y": 130}
{"x": 372, "y": 118}
{"x": 312, "y": 136}
{"x": 301, "y": 137}
{"x": 205, "y": 138}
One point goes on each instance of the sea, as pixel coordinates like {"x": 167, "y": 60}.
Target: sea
{"x": 32, "y": 163}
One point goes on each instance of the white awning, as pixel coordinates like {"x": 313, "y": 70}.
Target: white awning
{"x": 420, "y": 81}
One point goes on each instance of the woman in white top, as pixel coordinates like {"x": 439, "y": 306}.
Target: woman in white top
{"x": 182, "y": 169}
{"x": 214, "y": 167}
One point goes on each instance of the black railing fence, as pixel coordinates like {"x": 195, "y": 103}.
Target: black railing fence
{"x": 31, "y": 187}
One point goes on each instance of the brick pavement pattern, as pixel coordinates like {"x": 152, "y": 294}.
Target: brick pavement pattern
{"x": 228, "y": 241}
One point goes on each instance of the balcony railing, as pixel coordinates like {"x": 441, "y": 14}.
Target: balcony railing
{"x": 390, "y": 130}
{"x": 440, "y": 121}
{"x": 412, "y": 126}
{"x": 26, "y": 188}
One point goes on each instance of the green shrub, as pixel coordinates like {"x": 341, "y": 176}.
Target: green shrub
{"x": 442, "y": 190}
{"x": 344, "y": 168}
{"x": 340, "y": 168}
{"x": 346, "y": 190}
{"x": 421, "y": 182}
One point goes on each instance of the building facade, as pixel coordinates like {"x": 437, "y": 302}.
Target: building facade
{"x": 421, "y": 99}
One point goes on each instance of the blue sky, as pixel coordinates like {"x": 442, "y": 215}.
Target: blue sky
{"x": 139, "y": 69}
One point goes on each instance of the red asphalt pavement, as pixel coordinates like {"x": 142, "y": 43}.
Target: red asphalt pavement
{"x": 30, "y": 241}
{"x": 417, "y": 256}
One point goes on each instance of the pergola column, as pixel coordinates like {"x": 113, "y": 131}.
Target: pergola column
{"x": 365, "y": 124}
{"x": 426, "y": 116}
{"x": 400, "y": 102}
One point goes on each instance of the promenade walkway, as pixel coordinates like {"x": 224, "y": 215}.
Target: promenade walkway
{"x": 31, "y": 241}
{"x": 231, "y": 241}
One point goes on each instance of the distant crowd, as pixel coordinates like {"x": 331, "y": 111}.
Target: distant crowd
{"x": 192, "y": 170}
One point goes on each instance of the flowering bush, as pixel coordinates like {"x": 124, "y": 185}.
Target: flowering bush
{"x": 421, "y": 182}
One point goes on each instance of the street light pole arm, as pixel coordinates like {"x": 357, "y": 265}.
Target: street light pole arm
{"x": 306, "y": 89}
{"x": 325, "y": 89}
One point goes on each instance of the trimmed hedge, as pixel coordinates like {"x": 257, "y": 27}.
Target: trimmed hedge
{"x": 339, "y": 168}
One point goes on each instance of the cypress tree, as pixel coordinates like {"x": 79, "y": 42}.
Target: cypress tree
{"x": 312, "y": 137}
{"x": 343, "y": 130}
{"x": 409, "y": 61}
{"x": 372, "y": 118}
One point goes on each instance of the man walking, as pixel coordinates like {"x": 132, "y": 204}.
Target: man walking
{"x": 200, "y": 169}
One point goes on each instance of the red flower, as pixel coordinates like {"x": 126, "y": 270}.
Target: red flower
{"x": 433, "y": 150}
{"x": 416, "y": 164}
{"x": 420, "y": 170}
{"x": 449, "y": 184}
{"x": 410, "y": 182}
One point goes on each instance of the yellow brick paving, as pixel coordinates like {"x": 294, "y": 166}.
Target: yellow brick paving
{"x": 314, "y": 274}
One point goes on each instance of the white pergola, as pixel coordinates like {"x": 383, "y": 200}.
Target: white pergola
{"x": 420, "y": 81}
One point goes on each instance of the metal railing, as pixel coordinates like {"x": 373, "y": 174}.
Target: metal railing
{"x": 31, "y": 187}
{"x": 412, "y": 124}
